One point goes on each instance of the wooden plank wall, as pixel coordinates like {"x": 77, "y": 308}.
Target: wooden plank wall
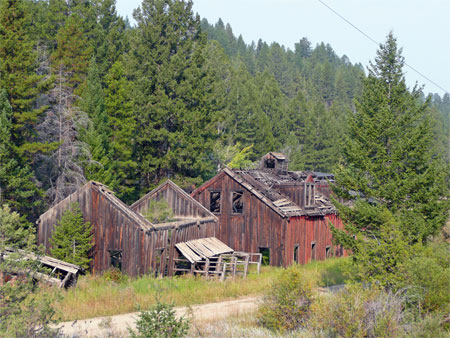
{"x": 142, "y": 251}
{"x": 258, "y": 227}
{"x": 303, "y": 231}
{"x": 181, "y": 206}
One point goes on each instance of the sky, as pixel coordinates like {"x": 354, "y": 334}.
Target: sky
{"x": 422, "y": 28}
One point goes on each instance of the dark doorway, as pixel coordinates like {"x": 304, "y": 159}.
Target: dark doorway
{"x": 265, "y": 255}
{"x": 313, "y": 251}
{"x": 296, "y": 246}
{"x": 116, "y": 259}
{"x": 328, "y": 251}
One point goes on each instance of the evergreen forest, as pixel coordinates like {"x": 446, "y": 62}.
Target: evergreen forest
{"x": 85, "y": 95}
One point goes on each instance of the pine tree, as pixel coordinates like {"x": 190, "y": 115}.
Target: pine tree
{"x": 17, "y": 187}
{"x": 390, "y": 173}
{"x": 18, "y": 75}
{"x": 72, "y": 238}
{"x": 122, "y": 124}
{"x": 165, "y": 62}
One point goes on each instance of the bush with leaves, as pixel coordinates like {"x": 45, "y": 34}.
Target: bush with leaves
{"x": 160, "y": 322}
{"x": 72, "y": 238}
{"x": 286, "y": 305}
{"x": 358, "y": 312}
{"x": 427, "y": 279}
{"x": 25, "y": 311}
{"x": 159, "y": 212}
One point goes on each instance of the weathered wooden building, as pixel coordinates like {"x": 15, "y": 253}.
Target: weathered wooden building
{"x": 123, "y": 237}
{"x": 274, "y": 211}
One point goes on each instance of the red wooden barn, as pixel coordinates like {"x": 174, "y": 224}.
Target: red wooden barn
{"x": 271, "y": 210}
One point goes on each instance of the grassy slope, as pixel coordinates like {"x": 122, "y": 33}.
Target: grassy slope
{"x": 97, "y": 296}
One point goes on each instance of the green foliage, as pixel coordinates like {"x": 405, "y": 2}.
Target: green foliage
{"x": 72, "y": 238}
{"x": 18, "y": 75}
{"x": 427, "y": 278}
{"x": 159, "y": 211}
{"x": 17, "y": 187}
{"x": 15, "y": 232}
{"x": 24, "y": 312}
{"x": 286, "y": 304}
{"x": 241, "y": 159}
{"x": 165, "y": 63}
{"x": 359, "y": 312}
{"x": 396, "y": 185}
{"x": 114, "y": 275}
{"x": 160, "y": 322}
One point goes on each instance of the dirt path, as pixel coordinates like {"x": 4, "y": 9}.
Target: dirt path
{"x": 116, "y": 326}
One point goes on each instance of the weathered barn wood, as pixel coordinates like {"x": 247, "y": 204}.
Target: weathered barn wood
{"x": 55, "y": 271}
{"x": 124, "y": 238}
{"x": 280, "y": 211}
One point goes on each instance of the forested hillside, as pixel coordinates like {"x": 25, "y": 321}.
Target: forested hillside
{"x": 83, "y": 95}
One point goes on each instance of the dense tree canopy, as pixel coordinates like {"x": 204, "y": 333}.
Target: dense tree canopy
{"x": 91, "y": 97}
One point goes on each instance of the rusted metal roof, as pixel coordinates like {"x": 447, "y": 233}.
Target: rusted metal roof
{"x": 201, "y": 249}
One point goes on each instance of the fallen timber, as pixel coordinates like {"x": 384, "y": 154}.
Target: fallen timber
{"x": 52, "y": 271}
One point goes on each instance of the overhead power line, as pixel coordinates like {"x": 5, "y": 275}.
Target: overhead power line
{"x": 375, "y": 42}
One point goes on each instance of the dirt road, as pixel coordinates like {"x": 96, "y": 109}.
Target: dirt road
{"x": 116, "y": 326}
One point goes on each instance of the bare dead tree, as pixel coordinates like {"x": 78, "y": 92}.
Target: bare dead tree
{"x": 62, "y": 169}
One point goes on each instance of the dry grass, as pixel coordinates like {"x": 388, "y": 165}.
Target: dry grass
{"x": 96, "y": 296}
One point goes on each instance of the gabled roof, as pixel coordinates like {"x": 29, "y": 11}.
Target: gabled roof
{"x": 261, "y": 184}
{"x": 110, "y": 197}
{"x": 180, "y": 192}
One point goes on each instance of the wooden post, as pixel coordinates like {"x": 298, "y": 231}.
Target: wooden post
{"x": 206, "y": 267}
{"x": 247, "y": 258}
{"x": 222, "y": 277}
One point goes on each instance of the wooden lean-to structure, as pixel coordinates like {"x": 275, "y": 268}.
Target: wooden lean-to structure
{"x": 284, "y": 215}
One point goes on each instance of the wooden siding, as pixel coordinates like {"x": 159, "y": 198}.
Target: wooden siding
{"x": 257, "y": 227}
{"x": 261, "y": 227}
{"x": 116, "y": 227}
{"x": 303, "y": 231}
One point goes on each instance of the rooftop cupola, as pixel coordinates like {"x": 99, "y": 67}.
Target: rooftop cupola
{"x": 276, "y": 162}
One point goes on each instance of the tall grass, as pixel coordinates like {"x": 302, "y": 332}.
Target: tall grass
{"x": 98, "y": 295}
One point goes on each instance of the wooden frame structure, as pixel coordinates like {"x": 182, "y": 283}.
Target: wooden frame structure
{"x": 123, "y": 237}
{"x": 284, "y": 213}
{"x": 211, "y": 257}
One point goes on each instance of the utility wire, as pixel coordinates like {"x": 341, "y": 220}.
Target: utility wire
{"x": 375, "y": 42}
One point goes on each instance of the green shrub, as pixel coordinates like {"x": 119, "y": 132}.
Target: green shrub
{"x": 159, "y": 212}
{"x": 114, "y": 275}
{"x": 427, "y": 280}
{"x": 358, "y": 312}
{"x": 286, "y": 305}
{"x": 160, "y": 322}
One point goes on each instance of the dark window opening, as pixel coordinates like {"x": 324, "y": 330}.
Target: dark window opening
{"x": 116, "y": 259}
{"x": 296, "y": 253}
{"x": 265, "y": 255}
{"x": 238, "y": 202}
{"x": 214, "y": 201}
{"x": 269, "y": 163}
{"x": 313, "y": 251}
{"x": 328, "y": 251}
